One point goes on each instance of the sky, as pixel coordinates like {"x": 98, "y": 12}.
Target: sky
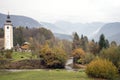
{"x": 84, "y": 11}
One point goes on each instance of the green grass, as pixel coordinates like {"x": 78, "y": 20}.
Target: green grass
{"x": 21, "y": 56}
{"x": 44, "y": 75}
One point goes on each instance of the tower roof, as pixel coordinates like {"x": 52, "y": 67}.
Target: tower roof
{"x": 8, "y": 18}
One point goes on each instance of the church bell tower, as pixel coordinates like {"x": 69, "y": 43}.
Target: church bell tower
{"x": 8, "y": 34}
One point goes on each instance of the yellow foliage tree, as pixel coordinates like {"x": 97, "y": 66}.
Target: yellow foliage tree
{"x": 78, "y": 54}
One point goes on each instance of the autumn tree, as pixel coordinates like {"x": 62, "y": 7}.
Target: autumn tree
{"x": 113, "y": 44}
{"x": 93, "y": 47}
{"x": 75, "y": 41}
{"x": 52, "y": 57}
{"x": 38, "y": 34}
{"x": 84, "y": 43}
{"x": 78, "y": 54}
{"x": 34, "y": 46}
{"x": 80, "y": 42}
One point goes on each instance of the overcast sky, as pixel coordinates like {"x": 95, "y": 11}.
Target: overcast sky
{"x": 69, "y": 10}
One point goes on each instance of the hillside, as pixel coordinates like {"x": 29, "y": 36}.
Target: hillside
{"x": 111, "y": 32}
{"x": 19, "y": 21}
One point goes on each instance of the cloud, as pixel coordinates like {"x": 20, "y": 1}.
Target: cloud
{"x": 71, "y": 10}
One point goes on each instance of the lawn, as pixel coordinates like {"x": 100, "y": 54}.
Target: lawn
{"x": 44, "y": 75}
{"x": 21, "y": 56}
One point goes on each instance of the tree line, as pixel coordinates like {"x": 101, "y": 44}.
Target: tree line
{"x": 91, "y": 46}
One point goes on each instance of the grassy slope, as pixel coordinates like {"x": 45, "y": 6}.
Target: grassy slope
{"x": 44, "y": 75}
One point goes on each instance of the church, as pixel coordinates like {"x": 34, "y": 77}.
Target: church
{"x": 8, "y": 34}
{"x": 8, "y": 37}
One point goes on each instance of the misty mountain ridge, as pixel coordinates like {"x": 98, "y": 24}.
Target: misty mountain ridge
{"x": 111, "y": 32}
{"x": 92, "y": 30}
{"x": 109, "y": 29}
{"x": 64, "y": 29}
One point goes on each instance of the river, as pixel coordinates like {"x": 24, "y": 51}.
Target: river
{"x": 69, "y": 64}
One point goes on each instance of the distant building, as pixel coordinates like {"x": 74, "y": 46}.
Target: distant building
{"x": 8, "y": 34}
{"x": 25, "y": 46}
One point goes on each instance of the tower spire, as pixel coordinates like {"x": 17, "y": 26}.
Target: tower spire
{"x": 8, "y": 16}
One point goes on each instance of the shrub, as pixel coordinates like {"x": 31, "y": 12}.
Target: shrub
{"x": 3, "y": 62}
{"x": 101, "y": 68}
{"x": 88, "y": 58}
{"x": 24, "y": 64}
{"x": 52, "y": 58}
{"x": 112, "y": 54}
{"x": 78, "y": 54}
{"x": 8, "y": 54}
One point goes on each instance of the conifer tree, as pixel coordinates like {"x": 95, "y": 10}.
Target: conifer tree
{"x": 103, "y": 43}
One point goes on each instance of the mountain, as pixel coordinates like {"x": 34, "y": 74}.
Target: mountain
{"x": 63, "y": 36}
{"x": 111, "y": 32}
{"x": 51, "y": 27}
{"x": 115, "y": 38}
{"x": 64, "y": 30}
{"x": 64, "y": 27}
{"x": 85, "y": 29}
{"x": 19, "y": 21}
{"x": 58, "y": 32}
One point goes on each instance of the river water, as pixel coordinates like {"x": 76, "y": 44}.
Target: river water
{"x": 69, "y": 64}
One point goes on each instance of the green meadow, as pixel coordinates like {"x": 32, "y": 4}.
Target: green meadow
{"x": 44, "y": 75}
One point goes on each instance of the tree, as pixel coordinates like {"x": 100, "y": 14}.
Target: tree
{"x": 112, "y": 54}
{"x": 93, "y": 47}
{"x": 76, "y": 42}
{"x": 107, "y": 43}
{"x": 82, "y": 36}
{"x": 103, "y": 43}
{"x": 76, "y": 37}
{"x": 78, "y": 54}
{"x": 34, "y": 47}
{"x": 80, "y": 42}
{"x": 113, "y": 44}
{"x": 18, "y": 36}
{"x": 84, "y": 43}
{"x": 52, "y": 57}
